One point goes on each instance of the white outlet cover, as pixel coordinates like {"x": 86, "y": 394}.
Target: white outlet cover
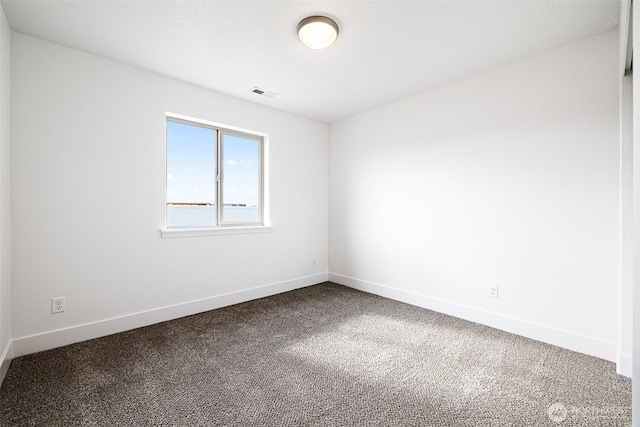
{"x": 493, "y": 291}
{"x": 58, "y": 305}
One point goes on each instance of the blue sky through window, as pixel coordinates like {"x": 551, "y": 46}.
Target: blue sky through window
{"x": 241, "y": 170}
{"x": 191, "y": 166}
{"x": 191, "y": 163}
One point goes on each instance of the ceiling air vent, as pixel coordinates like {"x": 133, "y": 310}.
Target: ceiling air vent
{"x": 263, "y": 92}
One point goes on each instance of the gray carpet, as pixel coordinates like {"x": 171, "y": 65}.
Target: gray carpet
{"x": 319, "y": 356}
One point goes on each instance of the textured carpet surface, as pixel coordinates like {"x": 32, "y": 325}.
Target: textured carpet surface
{"x": 319, "y": 356}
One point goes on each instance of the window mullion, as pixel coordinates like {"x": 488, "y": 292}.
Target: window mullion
{"x": 219, "y": 177}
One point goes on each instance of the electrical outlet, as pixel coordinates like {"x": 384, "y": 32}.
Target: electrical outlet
{"x": 313, "y": 262}
{"x": 493, "y": 291}
{"x": 57, "y": 305}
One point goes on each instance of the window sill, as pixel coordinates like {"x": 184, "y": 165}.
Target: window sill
{"x": 169, "y": 233}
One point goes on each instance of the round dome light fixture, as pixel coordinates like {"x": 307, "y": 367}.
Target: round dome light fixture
{"x": 317, "y": 32}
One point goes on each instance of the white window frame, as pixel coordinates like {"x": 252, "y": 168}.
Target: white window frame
{"x": 222, "y": 228}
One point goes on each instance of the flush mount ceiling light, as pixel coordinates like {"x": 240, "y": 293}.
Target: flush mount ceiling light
{"x": 317, "y": 32}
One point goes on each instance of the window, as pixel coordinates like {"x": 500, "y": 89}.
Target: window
{"x": 215, "y": 176}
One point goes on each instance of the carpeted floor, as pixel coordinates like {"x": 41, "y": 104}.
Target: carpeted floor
{"x": 319, "y": 356}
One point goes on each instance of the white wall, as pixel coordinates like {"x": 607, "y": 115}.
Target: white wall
{"x": 5, "y": 200}
{"x": 625, "y": 344}
{"x": 88, "y": 136}
{"x": 635, "y": 391}
{"x": 511, "y": 178}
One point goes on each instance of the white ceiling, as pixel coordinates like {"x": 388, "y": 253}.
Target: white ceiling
{"x": 386, "y": 51}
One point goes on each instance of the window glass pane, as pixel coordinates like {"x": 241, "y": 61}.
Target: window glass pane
{"x": 191, "y": 175}
{"x": 241, "y": 192}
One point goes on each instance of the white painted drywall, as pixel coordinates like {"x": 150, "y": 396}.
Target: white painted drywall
{"x": 88, "y": 182}
{"x": 507, "y": 178}
{"x": 625, "y": 329}
{"x": 5, "y": 199}
{"x": 635, "y": 391}
{"x": 625, "y": 344}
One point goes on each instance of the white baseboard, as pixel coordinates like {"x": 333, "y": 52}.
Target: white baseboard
{"x": 58, "y": 338}
{"x": 547, "y": 334}
{"x": 5, "y": 360}
{"x": 624, "y": 364}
